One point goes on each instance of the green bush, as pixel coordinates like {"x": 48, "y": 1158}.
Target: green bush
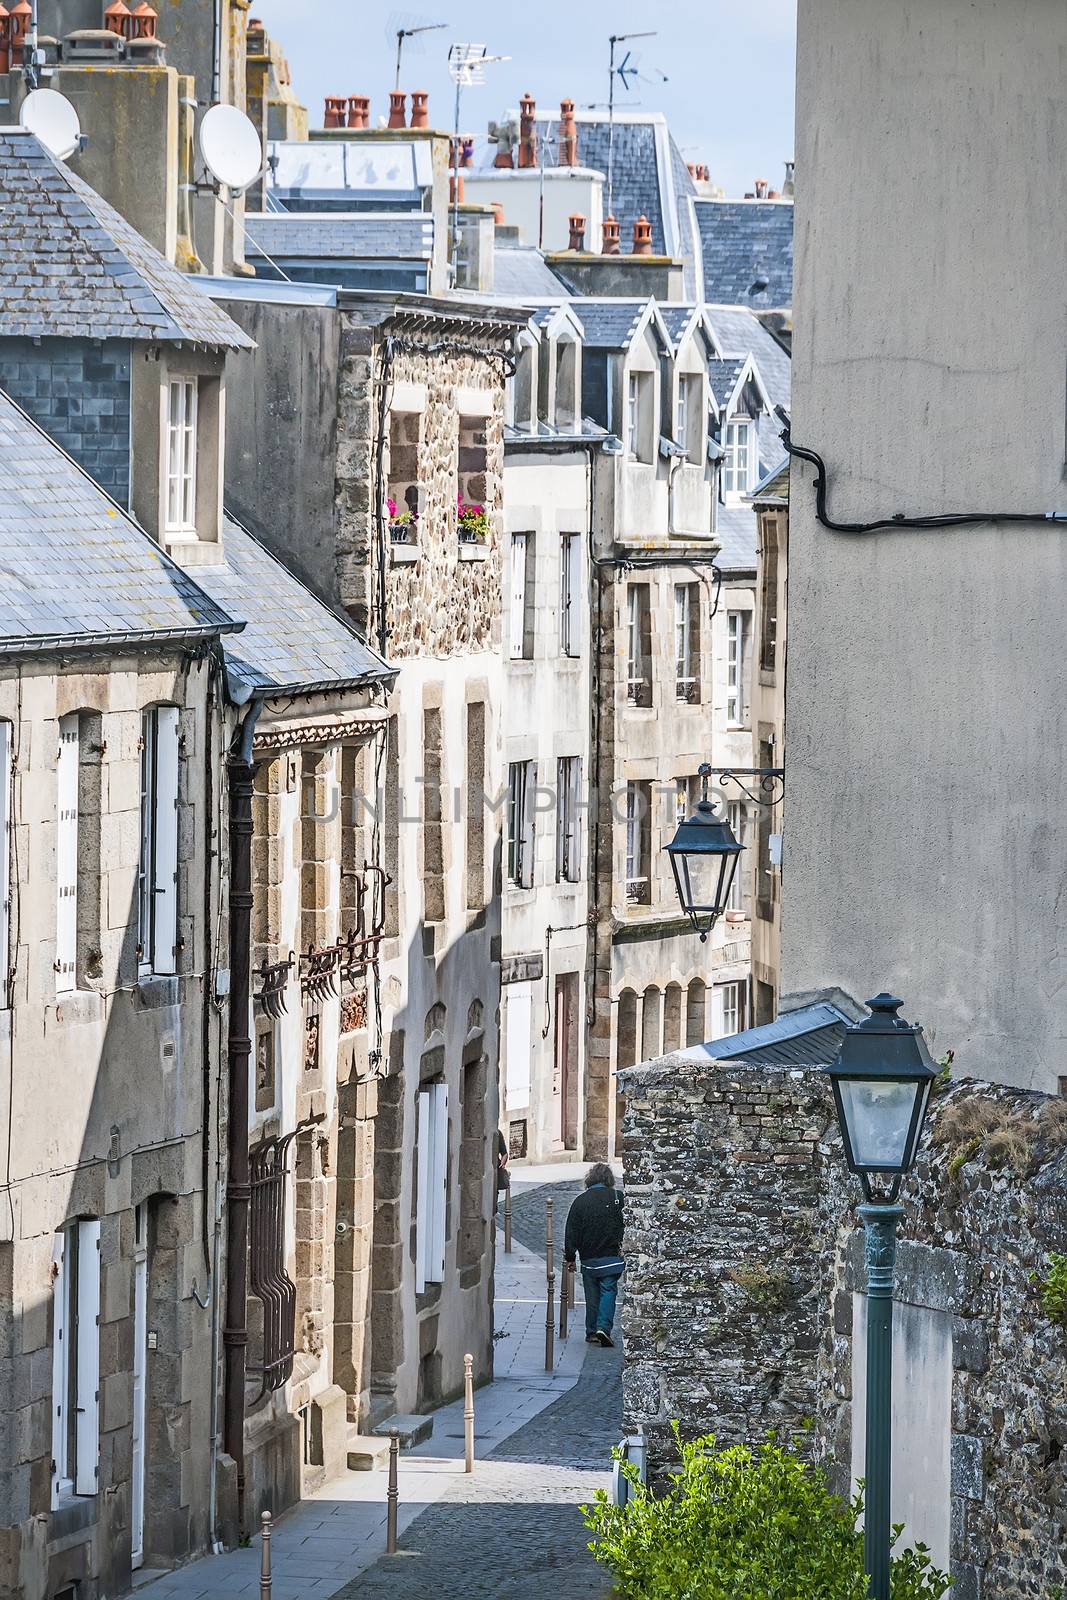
{"x": 1054, "y": 1289}
{"x": 742, "y": 1524}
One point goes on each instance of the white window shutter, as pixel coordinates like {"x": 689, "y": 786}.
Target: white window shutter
{"x": 67, "y": 855}
{"x": 60, "y": 1333}
{"x": 574, "y": 580}
{"x": 519, "y": 1014}
{"x": 517, "y": 600}
{"x": 438, "y": 1177}
{"x": 5, "y": 858}
{"x": 165, "y": 886}
{"x": 88, "y": 1420}
{"x": 422, "y": 1191}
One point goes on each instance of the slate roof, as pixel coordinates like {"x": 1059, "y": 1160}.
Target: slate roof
{"x": 808, "y": 1037}
{"x": 723, "y": 375}
{"x": 291, "y": 640}
{"x": 587, "y": 432}
{"x": 609, "y": 324}
{"x": 738, "y": 332}
{"x": 361, "y": 235}
{"x": 520, "y": 273}
{"x": 71, "y": 266}
{"x": 741, "y": 240}
{"x": 735, "y": 529}
{"x": 77, "y": 570}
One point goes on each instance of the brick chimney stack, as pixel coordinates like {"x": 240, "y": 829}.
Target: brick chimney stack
{"x": 642, "y": 237}
{"x": 527, "y": 131}
{"x": 609, "y": 237}
{"x": 576, "y": 224}
{"x": 568, "y": 135}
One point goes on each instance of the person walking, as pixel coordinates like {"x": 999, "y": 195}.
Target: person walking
{"x": 594, "y": 1234}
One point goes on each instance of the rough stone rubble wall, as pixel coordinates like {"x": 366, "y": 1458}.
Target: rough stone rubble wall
{"x": 743, "y": 1255}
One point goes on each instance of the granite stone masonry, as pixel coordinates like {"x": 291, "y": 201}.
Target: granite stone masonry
{"x": 745, "y": 1286}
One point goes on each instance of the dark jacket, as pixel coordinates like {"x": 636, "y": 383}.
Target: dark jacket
{"x": 594, "y": 1225}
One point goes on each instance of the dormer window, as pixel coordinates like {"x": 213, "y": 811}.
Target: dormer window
{"x": 739, "y": 466}
{"x": 639, "y": 416}
{"x": 180, "y": 445}
{"x": 688, "y": 426}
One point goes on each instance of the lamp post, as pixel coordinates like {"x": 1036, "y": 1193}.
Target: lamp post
{"x": 881, "y": 1081}
{"x": 704, "y": 856}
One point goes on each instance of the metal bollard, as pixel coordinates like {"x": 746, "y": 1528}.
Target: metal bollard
{"x": 507, "y": 1219}
{"x": 572, "y": 1273}
{"x": 550, "y": 1300}
{"x": 468, "y": 1413}
{"x": 392, "y": 1493}
{"x": 265, "y": 1579}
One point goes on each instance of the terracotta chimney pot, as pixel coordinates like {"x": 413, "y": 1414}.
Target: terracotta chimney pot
{"x": 568, "y": 135}
{"x": 772, "y": 194}
{"x": 116, "y": 18}
{"x": 144, "y": 17}
{"x": 642, "y": 237}
{"x": 761, "y": 188}
{"x": 609, "y": 237}
{"x": 18, "y": 25}
{"x": 527, "y": 131}
{"x": 5, "y": 39}
{"x": 420, "y": 113}
{"x": 397, "y": 109}
{"x": 334, "y": 116}
{"x": 498, "y": 213}
{"x": 358, "y": 111}
{"x": 576, "y": 224}
{"x": 694, "y": 170}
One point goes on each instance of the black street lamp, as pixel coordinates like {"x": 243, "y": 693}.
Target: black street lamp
{"x": 704, "y": 856}
{"x": 881, "y": 1081}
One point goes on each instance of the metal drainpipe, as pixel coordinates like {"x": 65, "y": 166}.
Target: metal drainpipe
{"x": 239, "y": 1050}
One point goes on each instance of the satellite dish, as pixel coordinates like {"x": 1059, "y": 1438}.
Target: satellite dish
{"x": 54, "y": 120}
{"x": 230, "y": 147}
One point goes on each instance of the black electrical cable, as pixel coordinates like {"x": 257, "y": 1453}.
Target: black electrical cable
{"x": 898, "y": 519}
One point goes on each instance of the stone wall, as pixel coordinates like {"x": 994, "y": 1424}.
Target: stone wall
{"x": 745, "y": 1299}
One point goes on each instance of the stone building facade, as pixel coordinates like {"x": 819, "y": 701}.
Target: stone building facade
{"x": 402, "y": 399}
{"x": 768, "y": 672}
{"x": 745, "y": 1306}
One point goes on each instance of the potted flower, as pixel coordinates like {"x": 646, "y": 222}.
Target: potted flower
{"x": 472, "y": 521}
{"x": 402, "y": 522}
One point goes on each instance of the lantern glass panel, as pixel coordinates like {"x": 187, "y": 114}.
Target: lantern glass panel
{"x": 879, "y": 1115}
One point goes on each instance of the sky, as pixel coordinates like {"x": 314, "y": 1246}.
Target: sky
{"x": 721, "y": 70}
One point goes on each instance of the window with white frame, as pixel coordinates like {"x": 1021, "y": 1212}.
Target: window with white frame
{"x": 180, "y": 456}
{"x": 739, "y": 464}
{"x": 732, "y": 1000}
{"x": 633, "y": 414}
{"x": 738, "y": 821}
{"x": 570, "y": 594}
{"x": 687, "y": 642}
{"x": 75, "y": 1360}
{"x": 521, "y": 784}
{"x": 687, "y": 792}
{"x": 736, "y": 651}
{"x": 689, "y": 420}
{"x": 638, "y": 842}
{"x": 520, "y": 600}
{"x": 568, "y": 819}
{"x": 67, "y": 855}
{"x": 6, "y": 730}
{"x": 157, "y": 876}
{"x": 638, "y": 645}
{"x": 431, "y": 1185}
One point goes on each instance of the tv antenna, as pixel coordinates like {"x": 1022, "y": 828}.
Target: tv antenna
{"x": 230, "y": 148}
{"x": 405, "y": 32}
{"x": 50, "y": 115}
{"x": 466, "y": 66}
{"x": 624, "y": 72}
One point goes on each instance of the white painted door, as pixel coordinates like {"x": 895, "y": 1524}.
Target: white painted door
{"x": 140, "y": 1376}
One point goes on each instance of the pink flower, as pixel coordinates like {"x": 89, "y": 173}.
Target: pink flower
{"x": 391, "y": 503}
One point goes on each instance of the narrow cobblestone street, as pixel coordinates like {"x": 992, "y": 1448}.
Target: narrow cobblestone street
{"x": 543, "y": 1447}
{"x": 514, "y": 1528}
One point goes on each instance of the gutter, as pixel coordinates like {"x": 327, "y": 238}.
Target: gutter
{"x": 46, "y": 642}
{"x": 239, "y": 1051}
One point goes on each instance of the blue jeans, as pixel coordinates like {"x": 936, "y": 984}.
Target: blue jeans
{"x": 600, "y": 1296}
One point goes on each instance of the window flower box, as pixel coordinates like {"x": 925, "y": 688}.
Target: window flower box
{"x": 402, "y": 523}
{"x": 472, "y": 521}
